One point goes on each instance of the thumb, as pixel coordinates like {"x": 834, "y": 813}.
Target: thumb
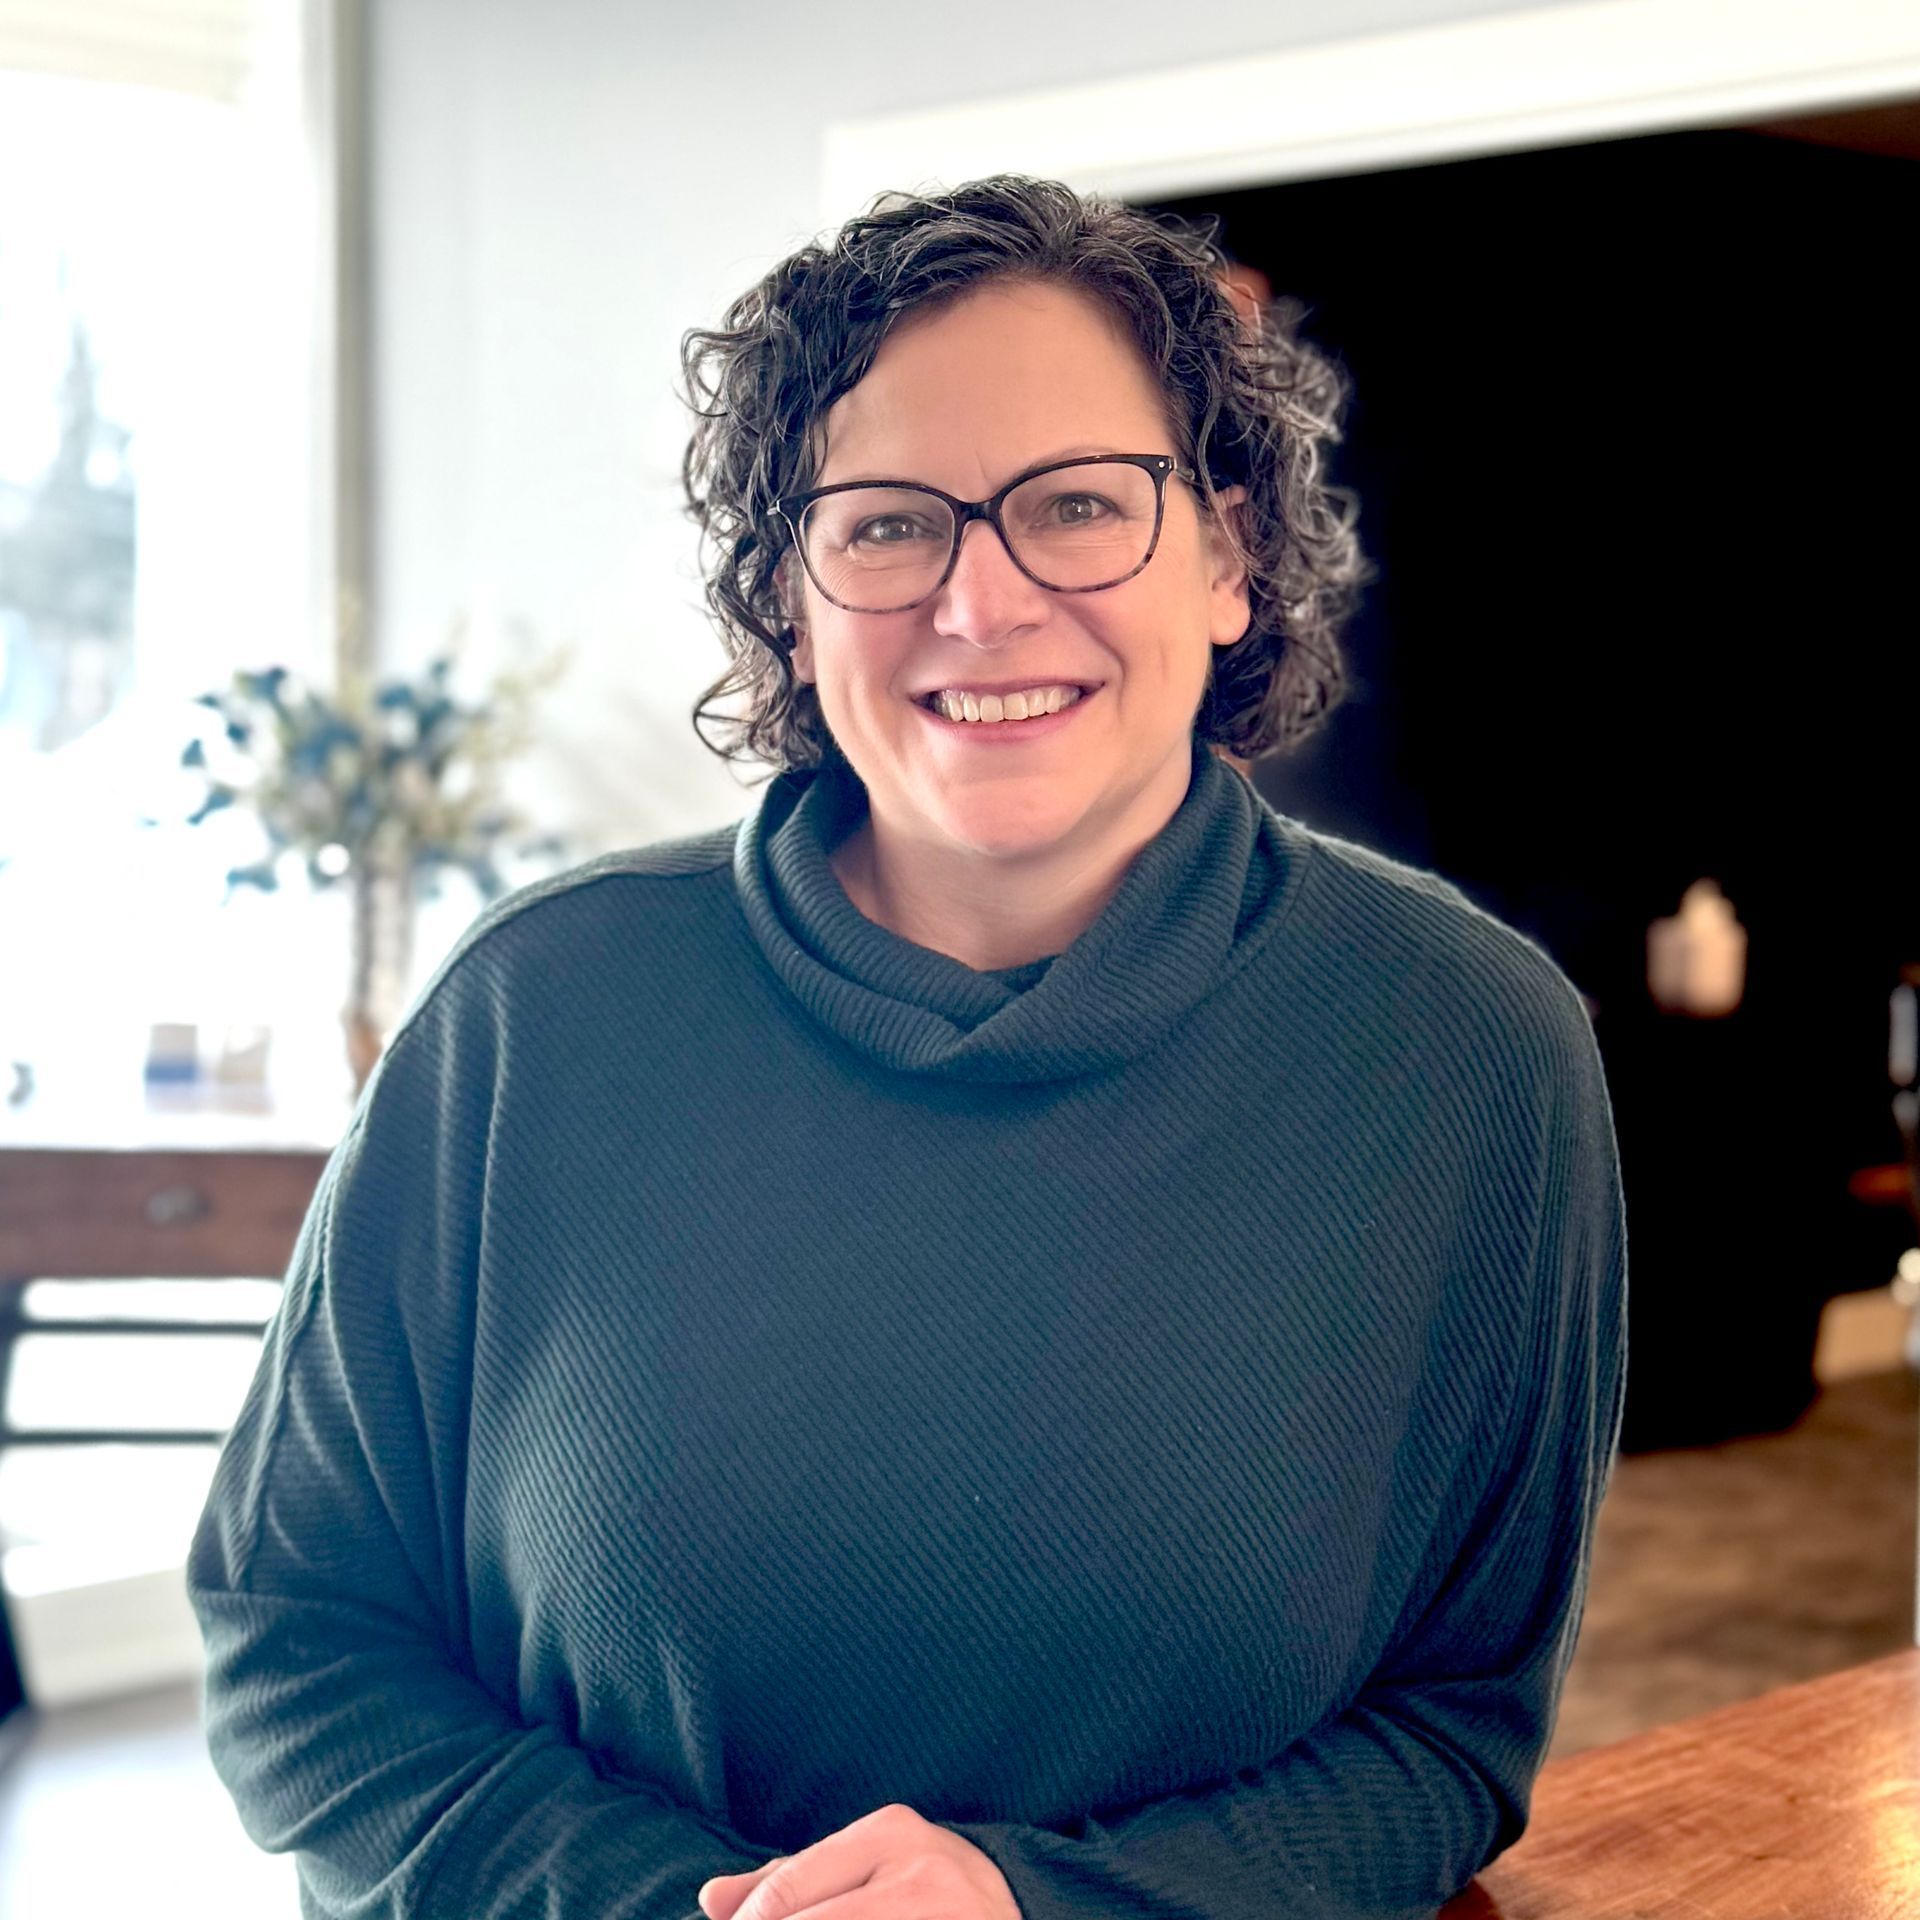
{"x": 723, "y": 1895}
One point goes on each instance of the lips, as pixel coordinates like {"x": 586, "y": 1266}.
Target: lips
{"x": 927, "y": 698}
{"x": 1007, "y": 732}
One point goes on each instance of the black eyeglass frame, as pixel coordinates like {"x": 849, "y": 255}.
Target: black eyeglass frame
{"x": 965, "y": 512}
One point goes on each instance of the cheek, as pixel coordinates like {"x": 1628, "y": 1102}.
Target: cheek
{"x": 864, "y": 664}
{"x": 1170, "y": 635}
{"x": 1184, "y": 591}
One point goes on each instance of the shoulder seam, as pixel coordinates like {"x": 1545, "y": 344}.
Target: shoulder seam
{"x": 339, "y": 1163}
{"x": 1488, "y": 929}
{"x": 633, "y": 863}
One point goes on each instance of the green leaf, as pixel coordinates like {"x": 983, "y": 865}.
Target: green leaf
{"x": 219, "y": 797}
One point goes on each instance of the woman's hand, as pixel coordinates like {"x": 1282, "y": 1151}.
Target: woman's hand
{"x": 888, "y": 1865}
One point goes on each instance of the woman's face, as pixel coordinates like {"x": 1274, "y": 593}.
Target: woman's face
{"x": 1009, "y": 377}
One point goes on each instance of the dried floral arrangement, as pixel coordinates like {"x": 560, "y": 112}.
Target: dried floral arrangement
{"x": 384, "y": 788}
{"x": 397, "y": 777}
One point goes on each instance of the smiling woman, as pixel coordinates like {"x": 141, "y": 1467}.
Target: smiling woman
{"x": 1000, "y": 857}
{"x": 1150, "y": 467}
{"x": 1013, "y": 1334}
{"x": 1253, "y": 405}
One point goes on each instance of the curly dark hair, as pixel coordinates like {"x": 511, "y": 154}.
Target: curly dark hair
{"x": 1250, "y": 403}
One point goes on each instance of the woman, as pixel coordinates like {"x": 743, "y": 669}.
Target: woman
{"x": 1017, "y": 1334}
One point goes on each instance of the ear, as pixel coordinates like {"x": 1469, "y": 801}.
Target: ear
{"x": 793, "y": 605}
{"x": 1231, "y": 603}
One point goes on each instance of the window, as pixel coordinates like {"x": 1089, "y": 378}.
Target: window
{"x": 158, "y": 496}
{"x": 164, "y": 511}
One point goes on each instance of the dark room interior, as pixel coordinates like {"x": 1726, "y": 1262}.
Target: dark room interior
{"x": 1629, "y": 428}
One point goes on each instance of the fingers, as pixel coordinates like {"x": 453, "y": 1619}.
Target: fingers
{"x": 891, "y": 1839}
{"x": 726, "y": 1893}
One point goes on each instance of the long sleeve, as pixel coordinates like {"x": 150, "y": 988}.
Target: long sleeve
{"x": 1388, "y": 1808}
{"x": 343, "y": 1709}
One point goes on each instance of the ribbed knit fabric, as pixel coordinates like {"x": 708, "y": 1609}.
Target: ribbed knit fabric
{"x": 1145, "y": 1410}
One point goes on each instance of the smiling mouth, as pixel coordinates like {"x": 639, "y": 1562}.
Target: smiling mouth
{"x": 930, "y": 703}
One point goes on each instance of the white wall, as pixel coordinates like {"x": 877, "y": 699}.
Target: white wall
{"x": 559, "y": 192}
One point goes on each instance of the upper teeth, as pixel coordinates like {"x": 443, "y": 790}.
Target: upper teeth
{"x": 1028, "y": 705}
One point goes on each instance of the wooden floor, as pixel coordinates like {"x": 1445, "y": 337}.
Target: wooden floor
{"x": 1719, "y": 1574}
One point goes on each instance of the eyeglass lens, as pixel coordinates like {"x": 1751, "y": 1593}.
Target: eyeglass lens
{"x": 879, "y": 549}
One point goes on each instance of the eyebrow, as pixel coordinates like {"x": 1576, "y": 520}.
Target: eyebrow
{"x": 1082, "y": 450}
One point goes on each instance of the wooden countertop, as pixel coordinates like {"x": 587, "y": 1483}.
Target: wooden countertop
{"x": 1801, "y": 1805}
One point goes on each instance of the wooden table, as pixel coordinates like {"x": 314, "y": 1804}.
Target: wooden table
{"x": 201, "y": 1183}
{"x": 100, "y": 1213}
{"x": 1801, "y": 1805}
{"x": 195, "y": 1183}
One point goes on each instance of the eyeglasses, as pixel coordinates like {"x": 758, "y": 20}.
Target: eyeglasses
{"x": 1076, "y": 526}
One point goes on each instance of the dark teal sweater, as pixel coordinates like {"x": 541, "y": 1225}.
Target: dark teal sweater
{"x": 1145, "y": 1409}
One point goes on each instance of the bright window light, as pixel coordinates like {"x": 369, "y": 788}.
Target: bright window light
{"x": 159, "y": 496}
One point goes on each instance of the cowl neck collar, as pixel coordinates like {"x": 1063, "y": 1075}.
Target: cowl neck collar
{"x": 1198, "y": 900}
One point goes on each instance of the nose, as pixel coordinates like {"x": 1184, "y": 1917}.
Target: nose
{"x": 986, "y": 595}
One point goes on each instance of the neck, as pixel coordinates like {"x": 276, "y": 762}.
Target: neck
{"x": 992, "y": 914}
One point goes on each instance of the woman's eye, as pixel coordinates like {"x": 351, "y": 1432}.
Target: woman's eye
{"x": 1078, "y": 509}
{"x": 889, "y": 530}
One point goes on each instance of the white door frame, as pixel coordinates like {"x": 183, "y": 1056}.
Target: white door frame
{"x": 1539, "y": 78}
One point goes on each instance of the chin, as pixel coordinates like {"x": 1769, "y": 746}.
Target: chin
{"x": 1010, "y": 831}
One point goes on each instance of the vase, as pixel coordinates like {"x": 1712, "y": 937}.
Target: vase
{"x": 380, "y": 964}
